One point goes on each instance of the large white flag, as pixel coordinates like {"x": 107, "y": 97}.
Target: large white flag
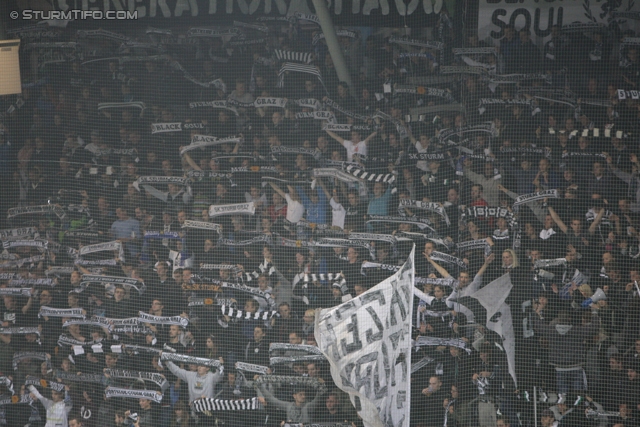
{"x": 499, "y": 320}
{"x": 497, "y": 317}
{"x": 367, "y": 342}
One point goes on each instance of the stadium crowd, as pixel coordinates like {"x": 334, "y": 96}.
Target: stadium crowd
{"x": 235, "y": 186}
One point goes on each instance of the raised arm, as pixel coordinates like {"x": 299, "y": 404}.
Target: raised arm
{"x": 324, "y": 188}
{"x": 475, "y": 177}
{"x": 156, "y": 193}
{"x": 367, "y": 139}
{"x": 178, "y": 372}
{"x": 596, "y": 222}
{"x": 335, "y": 136}
{"x": 444, "y": 273}
{"x": 272, "y": 399}
{"x": 626, "y": 177}
{"x": 488, "y": 260}
{"x": 558, "y": 221}
{"x": 278, "y": 190}
{"x": 293, "y": 193}
{"x": 47, "y": 403}
{"x": 191, "y": 162}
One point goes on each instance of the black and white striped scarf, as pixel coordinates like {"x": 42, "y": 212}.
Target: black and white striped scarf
{"x": 313, "y": 277}
{"x": 386, "y": 267}
{"x": 208, "y": 404}
{"x": 257, "y": 239}
{"x": 488, "y": 212}
{"x": 450, "y": 282}
{"x": 241, "y": 314}
{"x": 99, "y": 321}
{"x": 203, "y": 141}
{"x": 100, "y": 262}
{"x": 174, "y": 127}
{"x": 250, "y": 367}
{"x": 425, "y": 91}
{"x": 450, "y": 259}
{"x": 103, "y": 247}
{"x": 460, "y": 69}
{"x": 335, "y": 173}
{"x": 16, "y": 291}
{"x": 290, "y": 379}
{"x": 296, "y": 150}
{"x": 22, "y": 232}
{"x": 23, "y": 355}
{"x": 31, "y": 282}
{"x": 230, "y": 267}
{"x": 265, "y": 267}
{"x": 131, "y": 329}
{"x": 198, "y": 302}
{"x": 475, "y": 51}
{"x": 418, "y": 43}
{"x": 20, "y": 330}
{"x": 360, "y": 173}
{"x": 60, "y": 312}
{"x": 421, "y": 364}
{"x": 279, "y": 360}
{"x": 283, "y": 348}
{"x": 290, "y": 56}
{"x": 340, "y": 33}
{"x": 23, "y": 261}
{"x": 424, "y": 340}
{"x": 110, "y": 280}
{"x": 540, "y": 195}
{"x": 427, "y": 206}
{"x": 422, "y": 223}
{"x": 214, "y": 104}
{"x": 190, "y": 360}
{"x": 129, "y": 393}
{"x": 31, "y": 210}
{"x": 232, "y": 209}
{"x": 154, "y": 377}
{"x": 298, "y": 68}
{"x": 308, "y": 103}
{"x": 246, "y": 42}
{"x": 162, "y": 320}
{"x": 31, "y": 380}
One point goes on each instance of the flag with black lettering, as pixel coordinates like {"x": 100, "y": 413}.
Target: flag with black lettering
{"x": 487, "y": 307}
{"x": 367, "y": 342}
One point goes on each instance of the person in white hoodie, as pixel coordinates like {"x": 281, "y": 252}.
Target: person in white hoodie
{"x": 58, "y": 407}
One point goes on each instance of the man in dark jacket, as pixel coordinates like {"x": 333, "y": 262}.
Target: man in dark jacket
{"x": 429, "y": 403}
{"x": 567, "y": 348}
